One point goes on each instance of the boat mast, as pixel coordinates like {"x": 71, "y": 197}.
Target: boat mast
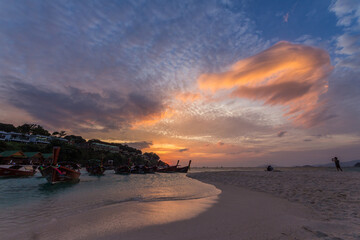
{"x": 56, "y": 151}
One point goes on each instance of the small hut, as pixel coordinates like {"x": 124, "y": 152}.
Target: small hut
{"x": 35, "y": 158}
{"x": 10, "y": 157}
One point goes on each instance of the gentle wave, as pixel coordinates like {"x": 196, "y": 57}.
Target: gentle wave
{"x": 31, "y": 202}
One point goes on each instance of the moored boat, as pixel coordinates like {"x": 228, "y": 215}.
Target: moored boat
{"x": 175, "y": 168}
{"x": 183, "y": 169}
{"x": 168, "y": 169}
{"x": 17, "y": 171}
{"x": 62, "y": 171}
{"x": 123, "y": 170}
{"x": 95, "y": 168}
{"x": 41, "y": 169}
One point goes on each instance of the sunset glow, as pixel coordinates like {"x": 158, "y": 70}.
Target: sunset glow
{"x": 208, "y": 81}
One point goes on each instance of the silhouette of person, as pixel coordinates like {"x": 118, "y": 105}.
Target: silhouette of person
{"x": 269, "y": 168}
{"x": 337, "y": 163}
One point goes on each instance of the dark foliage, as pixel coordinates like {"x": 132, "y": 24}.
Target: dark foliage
{"x": 7, "y": 127}
{"x": 30, "y": 128}
{"x": 77, "y": 149}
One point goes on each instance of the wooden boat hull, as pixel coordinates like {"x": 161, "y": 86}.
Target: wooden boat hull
{"x": 61, "y": 174}
{"x": 95, "y": 171}
{"x": 182, "y": 170}
{"x": 176, "y": 168}
{"x": 171, "y": 169}
{"x": 7, "y": 172}
{"x": 122, "y": 170}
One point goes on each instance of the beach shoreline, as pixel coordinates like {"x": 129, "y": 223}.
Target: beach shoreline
{"x": 244, "y": 213}
{"x": 238, "y": 214}
{"x": 249, "y": 205}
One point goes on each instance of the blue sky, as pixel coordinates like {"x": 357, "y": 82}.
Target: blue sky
{"x": 131, "y": 71}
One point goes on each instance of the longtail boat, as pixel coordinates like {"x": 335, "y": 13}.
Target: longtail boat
{"x": 123, "y": 170}
{"x": 95, "y": 168}
{"x": 17, "y": 171}
{"x": 62, "y": 172}
{"x": 148, "y": 169}
{"x": 169, "y": 169}
{"x": 184, "y": 169}
{"x": 41, "y": 169}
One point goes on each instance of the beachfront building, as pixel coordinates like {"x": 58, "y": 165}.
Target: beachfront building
{"x": 3, "y": 135}
{"x": 39, "y": 139}
{"x": 104, "y": 147}
{"x": 26, "y": 138}
{"x": 10, "y": 157}
{"x": 19, "y": 157}
{"x": 15, "y": 137}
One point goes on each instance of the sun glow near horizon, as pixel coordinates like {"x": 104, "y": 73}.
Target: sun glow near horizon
{"x": 211, "y": 82}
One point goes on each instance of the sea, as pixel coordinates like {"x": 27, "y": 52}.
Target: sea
{"x": 31, "y": 208}
{"x": 97, "y": 207}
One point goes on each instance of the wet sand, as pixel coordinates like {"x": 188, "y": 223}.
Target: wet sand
{"x": 243, "y": 212}
{"x": 251, "y": 205}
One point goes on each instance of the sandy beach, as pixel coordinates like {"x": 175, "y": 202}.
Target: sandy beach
{"x": 302, "y": 204}
{"x": 271, "y": 205}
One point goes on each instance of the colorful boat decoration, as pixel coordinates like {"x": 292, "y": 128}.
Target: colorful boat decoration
{"x": 62, "y": 171}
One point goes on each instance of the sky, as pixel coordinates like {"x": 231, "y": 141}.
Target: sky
{"x": 224, "y": 83}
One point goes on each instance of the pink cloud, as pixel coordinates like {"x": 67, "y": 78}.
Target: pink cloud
{"x": 291, "y": 75}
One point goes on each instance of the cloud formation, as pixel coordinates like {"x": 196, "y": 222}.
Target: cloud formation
{"x": 139, "y": 145}
{"x": 347, "y": 11}
{"x": 183, "y": 150}
{"x": 291, "y": 75}
{"x": 80, "y": 109}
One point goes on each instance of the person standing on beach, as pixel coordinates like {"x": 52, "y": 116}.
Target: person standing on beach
{"x": 337, "y": 163}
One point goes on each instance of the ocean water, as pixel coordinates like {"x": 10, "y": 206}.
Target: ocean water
{"x": 30, "y": 208}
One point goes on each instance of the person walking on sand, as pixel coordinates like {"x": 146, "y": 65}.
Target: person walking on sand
{"x": 337, "y": 163}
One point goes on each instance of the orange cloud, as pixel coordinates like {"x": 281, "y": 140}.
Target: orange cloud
{"x": 287, "y": 74}
{"x": 188, "y": 97}
{"x": 153, "y": 118}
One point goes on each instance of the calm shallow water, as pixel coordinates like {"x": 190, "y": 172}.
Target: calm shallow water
{"x": 31, "y": 204}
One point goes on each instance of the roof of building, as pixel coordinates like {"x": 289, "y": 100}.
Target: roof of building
{"x": 15, "y": 153}
{"x": 105, "y": 145}
{"x": 47, "y": 155}
{"x": 32, "y": 154}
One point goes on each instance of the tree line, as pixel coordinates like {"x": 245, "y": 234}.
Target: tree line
{"x": 78, "y": 150}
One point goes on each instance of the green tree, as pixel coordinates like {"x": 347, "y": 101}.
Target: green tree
{"x": 7, "y": 127}
{"x": 152, "y": 157}
{"x": 35, "y": 129}
{"x": 75, "y": 139}
{"x": 3, "y": 146}
{"x": 39, "y": 130}
{"x": 62, "y": 134}
{"x": 32, "y": 147}
{"x": 25, "y": 128}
